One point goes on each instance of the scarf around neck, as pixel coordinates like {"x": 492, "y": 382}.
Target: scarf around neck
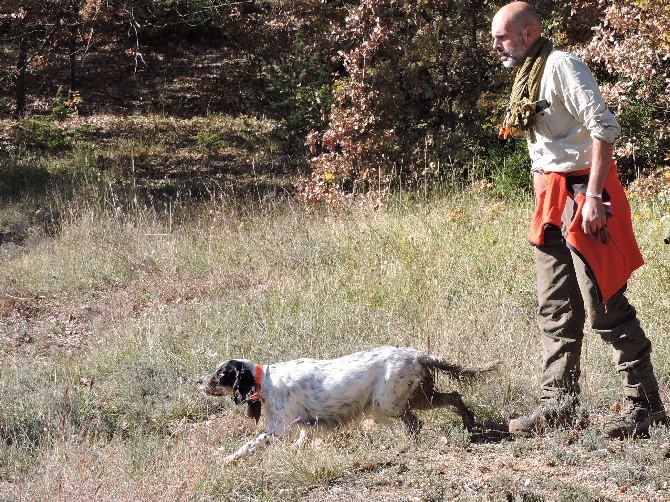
{"x": 521, "y": 111}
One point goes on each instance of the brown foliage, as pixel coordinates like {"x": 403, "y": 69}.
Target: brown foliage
{"x": 353, "y": 148}
{"x": 414, "y": 75}
{"x": 631, "y": 47}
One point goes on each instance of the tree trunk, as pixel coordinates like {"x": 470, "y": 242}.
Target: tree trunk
{"x": 21, "y": 77}
{"x": 73, "y": 66}
{"x": 74, "y": 32}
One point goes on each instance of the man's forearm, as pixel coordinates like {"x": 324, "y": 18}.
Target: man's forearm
{"x": 600, "y": 165}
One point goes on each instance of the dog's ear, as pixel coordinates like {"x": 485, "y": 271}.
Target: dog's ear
{"x": 244, "y": 385}
{"x": 228, "y": 373}
{"x": 254, "y": 410}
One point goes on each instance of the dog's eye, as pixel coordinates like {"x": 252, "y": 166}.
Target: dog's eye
{"x": 225, "y": 377}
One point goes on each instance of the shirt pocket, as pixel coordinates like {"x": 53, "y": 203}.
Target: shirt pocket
{"x": 552, "y": 119}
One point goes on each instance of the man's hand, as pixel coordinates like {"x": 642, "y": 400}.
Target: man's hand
{"x": 594, "y": 215}
{"x": 594, "y": 219}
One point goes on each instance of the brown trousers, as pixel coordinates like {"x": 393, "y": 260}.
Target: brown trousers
{"x": 567, "y": 296}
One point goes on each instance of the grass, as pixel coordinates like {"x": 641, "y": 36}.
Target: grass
{"x": 106, "y": 321}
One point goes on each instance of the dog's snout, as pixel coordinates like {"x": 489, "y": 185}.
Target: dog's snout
{"x": 201, "y": 380}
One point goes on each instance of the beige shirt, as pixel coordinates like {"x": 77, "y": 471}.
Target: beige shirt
{"x": 574, "y": 114}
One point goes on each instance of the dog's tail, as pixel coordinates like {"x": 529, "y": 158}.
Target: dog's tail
{"x": 457, "y": 371}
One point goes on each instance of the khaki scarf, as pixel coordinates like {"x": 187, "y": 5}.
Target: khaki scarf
{"x": 525, "y": 91}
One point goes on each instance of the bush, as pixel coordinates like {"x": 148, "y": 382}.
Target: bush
{"x": 211, "y": 142}
{"x": 505, "y": 166}
{"x": 64, "y": 105}
{"x": 45, "y": 135}
{"x": 643, "y": 144}
{"x": 298, "y": 91}
{"x": 509, "y": 168}
{"x": 42, "y": 135}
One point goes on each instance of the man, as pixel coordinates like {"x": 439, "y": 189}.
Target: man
{"x": 585, "y": 249}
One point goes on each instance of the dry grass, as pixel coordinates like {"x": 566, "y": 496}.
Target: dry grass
{"x": 105, "y": 325}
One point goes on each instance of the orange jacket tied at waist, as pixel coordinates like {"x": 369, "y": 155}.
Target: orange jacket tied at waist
{"x": 611, "y": 264}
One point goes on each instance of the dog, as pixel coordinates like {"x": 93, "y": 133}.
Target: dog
{"x": 304, "y": 394}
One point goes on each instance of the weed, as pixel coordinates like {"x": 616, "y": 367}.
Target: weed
{"x": 211, "y": 142}
{"x": 563, "y": 456}
{"x": 521, "y": 448}
{"x": 65, "y": 104}
{"x": 43, "y": 135}
{"x": 568, "y": 492}
{"x": 458, "y": 436}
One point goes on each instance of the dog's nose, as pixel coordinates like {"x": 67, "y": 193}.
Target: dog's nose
{"x": 201, "y": 380}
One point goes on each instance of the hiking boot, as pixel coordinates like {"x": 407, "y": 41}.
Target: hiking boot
{"x": 638, "y": 415}
{"x": 551, "y": 414}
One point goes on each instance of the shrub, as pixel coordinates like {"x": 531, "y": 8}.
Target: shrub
{"x": 42, "y": 135}
{"x": 45, "y": 135}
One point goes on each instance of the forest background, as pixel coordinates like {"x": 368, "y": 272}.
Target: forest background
{"x": 362, "y": 97}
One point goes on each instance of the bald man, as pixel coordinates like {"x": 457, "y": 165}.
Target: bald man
{"x": 585, "y": 249}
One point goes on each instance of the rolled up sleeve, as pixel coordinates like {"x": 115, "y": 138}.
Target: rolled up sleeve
{"x": 584, "y": 101}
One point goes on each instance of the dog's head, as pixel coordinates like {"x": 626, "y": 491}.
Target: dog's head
{"x": 234, "y": 377}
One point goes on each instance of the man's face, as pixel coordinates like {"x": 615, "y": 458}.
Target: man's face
{"x": 509, "y": 43}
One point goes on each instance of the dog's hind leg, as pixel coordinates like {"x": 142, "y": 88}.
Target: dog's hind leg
{"x": 454, "y": 399}
{"x": 411, "y": 421}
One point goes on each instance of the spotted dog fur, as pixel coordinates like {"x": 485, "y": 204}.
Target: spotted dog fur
{"x": 306, "y": 394}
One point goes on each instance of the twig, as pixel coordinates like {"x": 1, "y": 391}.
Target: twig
{"x": 16, "y": 297}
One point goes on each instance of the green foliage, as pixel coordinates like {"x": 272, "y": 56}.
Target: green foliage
{"x": 239, "y": 134}
{"x": 62, "y": 108}
{"x": 211, "y": 142}
{"x": 47, "y": 135}
{"x": 298, "y": 91}
{"x": 59, "y": 108}
{"x": 25, "y": 423}
{"x": 37, "y": 134}
{"x": 644, "y": 136}
{"x": 458, "y": 437}
{"x": 508, "y": 166}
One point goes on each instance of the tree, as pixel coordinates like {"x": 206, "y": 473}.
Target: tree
{"x": 413, "y": 76}
{"x": 17, "y": 31}
{"x": 631, "y": 50}
{"x": 34, "y": 28}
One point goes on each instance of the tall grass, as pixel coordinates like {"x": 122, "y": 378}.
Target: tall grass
{"x": 108, "y": 322}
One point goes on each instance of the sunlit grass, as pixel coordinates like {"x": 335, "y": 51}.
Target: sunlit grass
{"x": 156, "y": 298}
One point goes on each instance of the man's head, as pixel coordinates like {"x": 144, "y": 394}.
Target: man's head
{"x": 515, "y": 30}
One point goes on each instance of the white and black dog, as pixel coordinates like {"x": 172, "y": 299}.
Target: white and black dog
{"x": 384, "y": 382}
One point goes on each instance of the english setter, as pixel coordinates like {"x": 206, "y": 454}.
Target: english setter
{"x": 385, "y": 382}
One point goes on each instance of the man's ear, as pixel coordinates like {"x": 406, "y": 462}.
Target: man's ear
{"x": 530, "y": 35}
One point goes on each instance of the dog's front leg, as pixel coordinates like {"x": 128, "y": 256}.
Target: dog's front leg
{"x": 262, "y": 441}
{"x": 302, "y": 439}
